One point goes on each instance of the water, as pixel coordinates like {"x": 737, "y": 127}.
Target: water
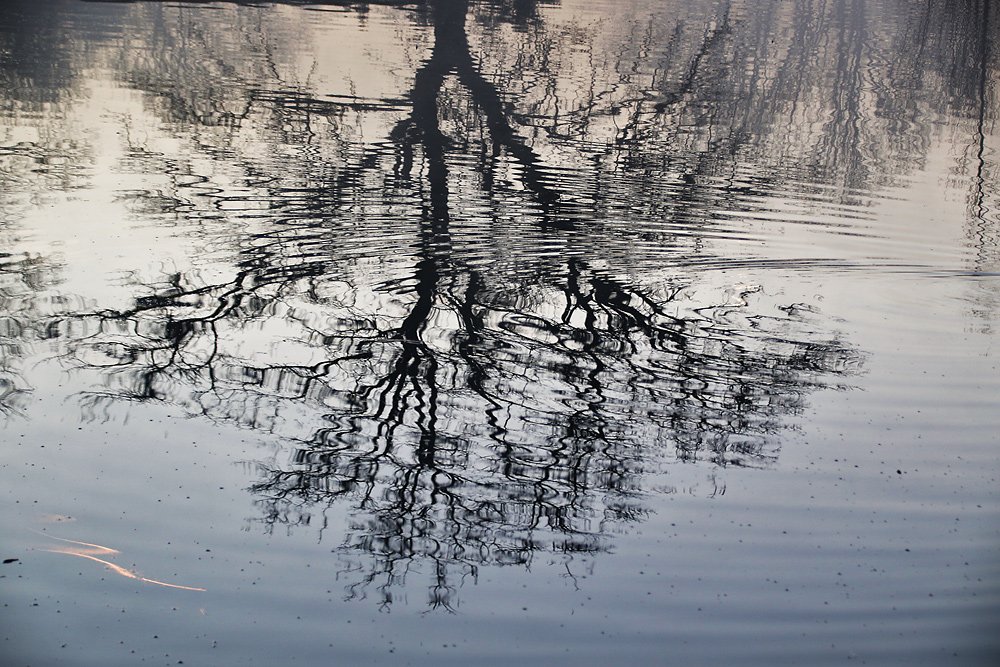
{"x": 436, "y": 333}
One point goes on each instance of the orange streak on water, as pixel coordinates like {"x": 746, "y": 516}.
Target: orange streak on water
{"x": 92, "y": 549}
{"x": 97, "y": 547}
{"x": 116, "y": 568}
{"x": 160, "y": 583}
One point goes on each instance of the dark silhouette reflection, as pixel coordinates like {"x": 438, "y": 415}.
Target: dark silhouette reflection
{"x": 491, "y": 330}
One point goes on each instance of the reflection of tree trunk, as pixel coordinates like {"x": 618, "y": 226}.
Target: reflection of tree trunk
{"x": 714, "y": 38}
{"x": 416, "y": 364}
{"x": 844, "y": 129}
{"x": 451, "y": 54}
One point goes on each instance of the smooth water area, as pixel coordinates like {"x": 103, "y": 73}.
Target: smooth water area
{"x": 447, "y": 332}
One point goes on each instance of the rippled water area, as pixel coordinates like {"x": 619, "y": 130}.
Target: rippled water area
{"x": 498, "y": 332}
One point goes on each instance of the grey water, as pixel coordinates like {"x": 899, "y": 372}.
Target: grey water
{"x": 450, "y": 332}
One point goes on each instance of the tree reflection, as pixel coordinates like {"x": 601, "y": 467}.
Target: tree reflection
{"x": 984, "y": 230}
{"x": 21, "y": 279}
{"x": 533, "y": 356}
{"x": 488, "y": 416}
{"x": 477, "y": 429}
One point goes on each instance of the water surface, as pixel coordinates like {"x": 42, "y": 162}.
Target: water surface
{"x": 448, "y": 332}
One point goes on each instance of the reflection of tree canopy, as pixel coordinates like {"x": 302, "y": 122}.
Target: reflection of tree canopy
{"x": 480, "y": 421}
{"x": 510, "y": 381}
